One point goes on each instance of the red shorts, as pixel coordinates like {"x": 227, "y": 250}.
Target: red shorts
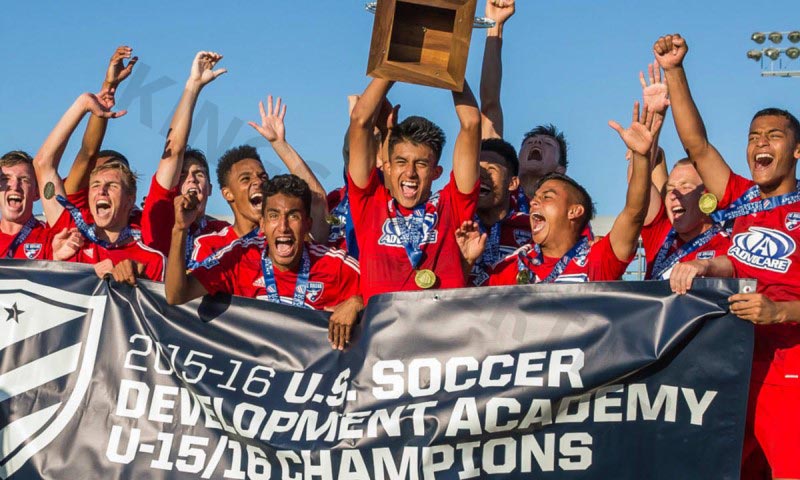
{"x": 774, "y": 417}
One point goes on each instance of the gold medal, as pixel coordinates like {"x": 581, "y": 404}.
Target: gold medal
{"x": 333, "y": 220}
{"x": 425, "y": 279}
{"x": 708, "y": 203}
{"x": 524, "y": 277}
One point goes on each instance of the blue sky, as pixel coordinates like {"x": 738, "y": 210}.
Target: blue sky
{"x": 572, "y": 62}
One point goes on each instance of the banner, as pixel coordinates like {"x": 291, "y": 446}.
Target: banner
{"x": 615, "y": 380}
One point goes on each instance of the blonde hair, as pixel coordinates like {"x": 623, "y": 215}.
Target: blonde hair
{"x": 128, "y": 176}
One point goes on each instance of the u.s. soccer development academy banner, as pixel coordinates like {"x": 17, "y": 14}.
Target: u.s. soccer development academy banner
{"x": 608, "y": 380}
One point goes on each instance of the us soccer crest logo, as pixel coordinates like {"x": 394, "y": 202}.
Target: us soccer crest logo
{"x": 792, "y": 220}
{"x": 48, "y": 346}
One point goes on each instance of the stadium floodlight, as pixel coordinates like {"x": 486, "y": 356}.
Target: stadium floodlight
{"x": 792, "y": 52}
{"x": 772, "y": 53}
{"x": 776, "y": 37}
{"x": 754, "y": 55}
{"x": 794, "y": 36}
{"x": 758, "y": 37}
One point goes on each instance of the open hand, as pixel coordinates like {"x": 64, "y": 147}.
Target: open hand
{"x": 272, "y": 126}
{"x": 640, "y": 135}
{"x": 655, "y": 93}
{"x": 470, "y": 241}
{"x": 67, "y": 243}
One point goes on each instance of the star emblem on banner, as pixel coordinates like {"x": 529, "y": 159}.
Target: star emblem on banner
{"x": 14, "y": 313}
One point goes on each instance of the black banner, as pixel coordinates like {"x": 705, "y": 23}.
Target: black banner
{"x": 606, "y": 380}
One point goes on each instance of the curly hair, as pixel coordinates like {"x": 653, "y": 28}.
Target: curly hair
{"x": 231, "y": 157}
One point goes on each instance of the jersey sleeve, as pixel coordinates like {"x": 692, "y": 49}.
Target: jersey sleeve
{"x": 654, "y": 234}
{"x": 220, "y": 275}
{"x": 463, "y": 205}
{"x": 603, "y": 262}
{"x": 504, "y": 273}
{"x": 81, "y": 201}
{"x": 360, "y": 197}
{"x": 158, "y": 216}
{"x": 737, "y": 185}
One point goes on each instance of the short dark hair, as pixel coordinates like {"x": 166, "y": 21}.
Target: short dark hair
{"x": 550, "y": 130}
{"x": 419, "y": 131}
{"x": 231, "y": 157}
{"x": 779, "y": 112}
{"x": 289, "y": 185}
{"x": 15, "y": 157}
{"x": 505, "y": 150}
{"x": 193, "y": 156}
{"x": 115, "y": 156}
{"x": 583, "y": 196}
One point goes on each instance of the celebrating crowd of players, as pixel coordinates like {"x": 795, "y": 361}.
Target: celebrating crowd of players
{"x": 501, "y": 219}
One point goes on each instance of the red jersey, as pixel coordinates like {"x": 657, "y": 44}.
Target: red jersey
{"x": 381, "y": 252}
{"x": 515, "y": 232}
{"x": 764, "y": 247}
{"x": 135, "y": 250}
{"x": 211, "y": 243}
{"x": 655, "y": 233}
{"x": 158, "y": 218}
{"x": 333, "y": 277}
{"x": 599, "y": 264}
{"x": 37, "y": 245}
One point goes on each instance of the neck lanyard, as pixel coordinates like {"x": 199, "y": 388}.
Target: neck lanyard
{"x": 301, "y": 286}
{"x": 744, "y": 205}
{"x": 663, "y": 263}
{"x": 21, "y": 236}
{"x": 580, "y": 248}
{"x": 411, "y": 232}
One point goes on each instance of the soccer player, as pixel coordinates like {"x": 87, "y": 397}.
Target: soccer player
{"x": 675, "y": 230}
{"x": 560, "y": 211}
{"x": 21, "y": 234}
{"x": 406, "y": 235}
{"x": 76, "y": 184}
{"x": 544, "y": 148}
{"x": 241, "y": 173}
{"x": 506, "y": 230}
{"x": 112, "y": 196}
{"x": 280, "y": 267}
{"x": 182, "y": 169}
{"x": 765, "y": 236}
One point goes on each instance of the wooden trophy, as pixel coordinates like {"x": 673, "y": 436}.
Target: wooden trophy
{"x": 422, "y": 41}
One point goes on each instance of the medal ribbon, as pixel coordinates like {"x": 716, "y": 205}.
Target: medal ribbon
{"x": 662, "y": 263}
{"x": 300, "y": 288}
{"x": 88, "y": 231}
{"x": 342, "y": 212}
{"x": 744, "y": 205}
{"x": 190, "y": 238}
{"x": 23, "y": 235}
{"x": 410, "y": 232}
{"x": 523, "y": 262}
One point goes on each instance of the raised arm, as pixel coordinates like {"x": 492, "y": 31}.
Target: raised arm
{"x": 363, "y": 149}
{"x": 49, "y": 155}
{"x": 273, "y": 128}
{"x": 655, "y": 97}
{"x": 467, "y": 148}
{"x": 639, "y": 138}
{"x": 181, "y": 287}
{"x": 78, "y": 177}
{"x": 492, "y": 71}
{"x": 202, "y": 73}
{"x": 670, "y": 50}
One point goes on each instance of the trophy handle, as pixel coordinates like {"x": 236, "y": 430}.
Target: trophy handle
{"x": 480, "y": 22}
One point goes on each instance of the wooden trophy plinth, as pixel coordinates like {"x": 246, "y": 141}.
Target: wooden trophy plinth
{"x": 422, "y": 41}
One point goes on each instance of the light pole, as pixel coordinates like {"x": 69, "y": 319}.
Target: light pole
{"x": 772, "y": 65}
